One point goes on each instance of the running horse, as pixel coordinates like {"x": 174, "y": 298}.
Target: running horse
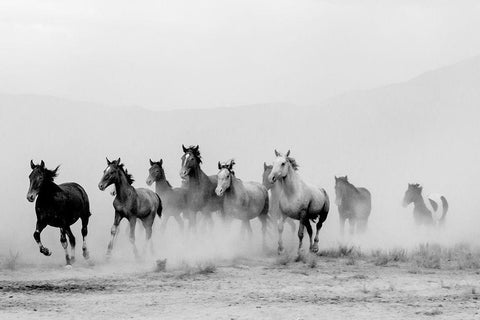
{"x": 272, "y": 187}
{"x": 60, "y": 206}
{"x": 201, "y": 196}
{"x": 242, "y": 200}
{"x": 130, "y": 203}
{"x": 354, "y": 204}
{"x": 298, "y": 200}
{"x": 430, "y": 211}
{"x": 173, "y": 199}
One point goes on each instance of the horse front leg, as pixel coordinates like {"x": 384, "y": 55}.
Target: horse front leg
{"x": 342, "y": 225}
{"x": 147, "y": 224}
{"x": 36, "y": 235}
{"x": 281, "y": 224}
{"x": 319, "y": 226}
{"x": 113, "y": 233}
{"x": 71, "y": 239}
{"x": 301, "y": 229}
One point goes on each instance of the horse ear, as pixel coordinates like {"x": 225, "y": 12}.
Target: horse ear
{"x": 108, "y": 161}
{"x": 264, "y": 166}
{"x": 161, "y": 162}
{"x": 184, "y": 149}
{"x": 219, "y": 166}
{"x": 288, "y": 153}
{"x": 196, "y": 148}
{"x": 56, "y": 169}
{"x": 277, "y": 154}
{"x": 32, "y": 165}
{"x": 42, "y": 164}
{"x": 230, "y": 165}
{"x": 151, "y": 162}
{"x": 118, "y": 161}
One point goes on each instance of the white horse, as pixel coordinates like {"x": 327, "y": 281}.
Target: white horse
{"x": 298, "y": 200}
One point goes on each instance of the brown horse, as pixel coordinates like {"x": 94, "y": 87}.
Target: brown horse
{"x": 130, "y": 203}
{"x": 353, "y": 204}
{"x": 273, "y": 210}
{"x": 201, "y": 195}
{"x": 242, "y": 200}
{"x": 426, "y": 212}
{"x": 174, "y": 200}
{"x": 60, "y": 206}
{"x": 298, "y": 200}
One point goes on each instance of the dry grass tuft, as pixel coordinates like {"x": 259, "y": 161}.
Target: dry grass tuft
{"x": 342, "y": 251}
{"x": 382, "y": 258}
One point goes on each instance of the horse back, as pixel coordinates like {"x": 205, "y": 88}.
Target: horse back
{"x": 76, "y": 197}
{"x": 147, "y": 201}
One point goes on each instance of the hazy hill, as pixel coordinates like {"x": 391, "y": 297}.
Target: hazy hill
{"x": 424, "y": 130}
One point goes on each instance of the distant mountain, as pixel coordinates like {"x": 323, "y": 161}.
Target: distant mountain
{"x": 425, "y": 129}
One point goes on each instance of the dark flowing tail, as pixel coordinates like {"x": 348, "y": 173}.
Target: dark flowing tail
{"x": 160, "y": 207}
{"x": 445, "y": 209}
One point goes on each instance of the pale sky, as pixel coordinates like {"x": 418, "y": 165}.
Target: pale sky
{"x": 215, "y": 53}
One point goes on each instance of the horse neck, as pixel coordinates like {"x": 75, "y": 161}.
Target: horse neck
{"x": 162, "y": 185}
{"x": 196, "y": 176}
{"x": 49, "y": 187}
{"x": 419, "y": 202}
{"x": 122, "y": 186}
{"x": 291, "y": 181}
{"x": 236, "y": 186}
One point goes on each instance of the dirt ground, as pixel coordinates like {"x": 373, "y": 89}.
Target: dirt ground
{"x": 265, "y": 287}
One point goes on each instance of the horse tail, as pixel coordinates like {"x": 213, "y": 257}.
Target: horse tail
{"x": 160, "y": 207}
{"x": 445, "y": 209}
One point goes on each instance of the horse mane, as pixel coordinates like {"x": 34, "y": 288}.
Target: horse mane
{"x": 228, "y": 165}
{"x": 194, "y": 151}
{"x": 415, "y": 186}
{"x": 50, "y": 175}
{"x": 293, "y": 162}
{"x": 130, "y": 179}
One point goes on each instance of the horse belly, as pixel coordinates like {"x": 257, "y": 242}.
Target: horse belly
{"x": 291, "y": 208}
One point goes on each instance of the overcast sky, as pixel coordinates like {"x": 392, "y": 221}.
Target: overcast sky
{"x": 188, "y": 54}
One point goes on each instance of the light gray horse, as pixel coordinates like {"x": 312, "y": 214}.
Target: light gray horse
{"x": 298, "y": 200}
{"x": 242, "y": 200}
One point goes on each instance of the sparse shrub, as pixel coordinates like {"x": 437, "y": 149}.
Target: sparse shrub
{"x": 428, "y": 256}
{"x": 341, "y": 252}
{"x": 382, "y": 258}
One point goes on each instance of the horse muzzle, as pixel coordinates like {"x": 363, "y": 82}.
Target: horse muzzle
{"x": 149, "y": 181}
{"x": 184, "y": 174}
{"x": 31, "y": 197}
{"x": 102, "y": 186}
{"x": 219, "y": 192}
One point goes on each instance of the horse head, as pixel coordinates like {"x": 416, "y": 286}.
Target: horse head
{"x": 224, "y": 176}
{"x": 414, "y": 190}
{"x": 156, "y": 172}
{"x": 39, "y": 176}
{"x": 281, "y": 166}
{"x": 191, "y": 160}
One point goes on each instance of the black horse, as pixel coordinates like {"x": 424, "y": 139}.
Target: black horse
{"x": 58, "y": 206}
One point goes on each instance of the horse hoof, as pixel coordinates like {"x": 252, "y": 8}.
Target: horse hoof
{"x": 314, "y": 249}
{"x": 68, "y": 267}
{"x": 45, "y": 251}
{"x": 86, "y": 254}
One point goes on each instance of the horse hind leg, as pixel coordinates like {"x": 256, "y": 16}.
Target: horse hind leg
{"x": 133, "y": 223}
{"x": 308, "y": 226}
{"x": 280, "y": 226}
{"x": 85, "y": 252}
{"x": 264, "y": 222}
{"x": 63, "y": 241}
{"x": 71, "y": 239}
{"x": 315, "y": 241}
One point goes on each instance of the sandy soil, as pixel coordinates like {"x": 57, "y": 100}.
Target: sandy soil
{"x": 260, "y": 288}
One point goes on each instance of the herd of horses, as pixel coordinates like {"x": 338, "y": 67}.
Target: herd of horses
{"x": 282, "y": 197}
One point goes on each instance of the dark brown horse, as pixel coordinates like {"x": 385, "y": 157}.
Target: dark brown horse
{"x": 201, "y": 195}
{"x": 354, "y": 204}
{"x": 430, "y": 211}
{"x": 130, "y": 203}
{"x": 58, "y": 206}
{"x": 174, "y": 200}
{"x": 272, "y": 187}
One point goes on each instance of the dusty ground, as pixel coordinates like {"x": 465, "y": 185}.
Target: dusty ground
{"x": 265, "y": 287}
